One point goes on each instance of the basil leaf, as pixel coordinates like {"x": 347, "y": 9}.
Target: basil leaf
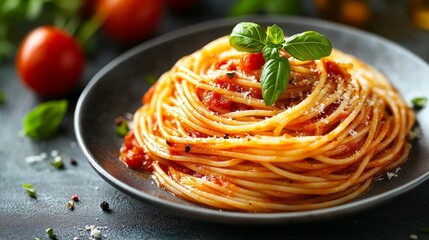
{"x": 308, "y": 45}
{"x": 274, "y": 79}
{"x": 44, "y": 120}
{"x": 29, "y": 189}
{"x": 247, "y": 37}
{"x": 275, "y": 34}
{"x": 270, "y": 52}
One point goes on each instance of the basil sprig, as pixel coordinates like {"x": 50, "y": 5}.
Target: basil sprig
{"x": 250, "y": 37}
{"x": 44, "y": 120}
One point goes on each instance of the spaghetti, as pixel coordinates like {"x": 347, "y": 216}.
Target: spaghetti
{"x": 206, "y": 135}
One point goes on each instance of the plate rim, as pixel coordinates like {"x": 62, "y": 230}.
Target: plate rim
{"x": 230, "y": 217}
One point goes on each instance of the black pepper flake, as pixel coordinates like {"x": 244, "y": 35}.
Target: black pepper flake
{"x": 168, "y": 143}
{"x": 188, "y": 148}
{"x": 226, "y": 136}
{"x": 104, "y": 206}
{"x": 73, "y": 161}
{"x": 230, "y": 74}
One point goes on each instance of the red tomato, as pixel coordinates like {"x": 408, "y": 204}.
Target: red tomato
{"x": 130, "y": 21}
{"x": 49, "y": 61}
{"x": 252, "y": 61}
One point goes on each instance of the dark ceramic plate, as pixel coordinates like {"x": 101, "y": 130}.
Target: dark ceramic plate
{"x": 119, "y": 86}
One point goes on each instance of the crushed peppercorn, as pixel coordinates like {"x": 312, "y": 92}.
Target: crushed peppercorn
{"x": 188, "y": 148}
{"x": 104, "y": 206}
{"x": 226, "y": 136}
{"x": 73, "y": 161}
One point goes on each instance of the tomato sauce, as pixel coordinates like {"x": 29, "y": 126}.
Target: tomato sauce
{"x": 252, "y": 61}
{"x": 133, "y": 155}
{"x": 250, "y": 64}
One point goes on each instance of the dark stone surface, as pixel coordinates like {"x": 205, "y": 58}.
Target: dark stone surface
{"x": 22, "y": 217}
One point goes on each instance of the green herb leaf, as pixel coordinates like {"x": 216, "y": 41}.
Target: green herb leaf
{"x": 308, "y": 45}
{"x": 230, "y": 74}
{"x": 58, "y": 162}
{"x": 419, "y": 102}
{"x": 275, "y": 34}
{"x": 44, "y": 120}
{"x": 29, "y": 189}
{"x": 274, "y": 79}
{"x": 425, "y": 230}
{"x": 51, "y": 233}
{"x": 2, "y": 97}
{"x": 270, "y": 52}
{"x": 121, "y": 126}
{"x": 247, "y": 37}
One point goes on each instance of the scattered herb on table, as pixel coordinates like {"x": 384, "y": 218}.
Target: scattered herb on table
{"x": 29, "y": 189}
{"x": 419, "y": 102}
{"x": 51, "y": 233}
{"x": 70, "y": 205}
{"x": 250, "y": 37}
{"x": 58, "y": 162}
{"x": 44, "y": 120}
{"x": 121, "y": 126}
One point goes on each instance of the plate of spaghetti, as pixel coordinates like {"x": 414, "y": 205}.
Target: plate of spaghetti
{"x": 247, "y": 125}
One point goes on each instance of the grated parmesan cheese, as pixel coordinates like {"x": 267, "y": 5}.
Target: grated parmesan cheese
{"x": 36, "y": 158}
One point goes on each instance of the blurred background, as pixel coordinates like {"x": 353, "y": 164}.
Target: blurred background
{"x": 87, "y": 19}
{"x": 106, "y": 28}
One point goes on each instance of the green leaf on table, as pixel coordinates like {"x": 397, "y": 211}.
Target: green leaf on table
{"x": 51, "y": 233}
{"x": 57, "y": 162}
{"x": 2, "y": 97}
{"x": 247, "y": 37}
{"x": 274, "y": 79}
{"x": 29, "y": 189}
{"x": 44, "y": 120}
{"x": 308, "y": 45}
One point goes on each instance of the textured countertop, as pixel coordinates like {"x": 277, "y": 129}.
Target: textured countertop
{"x": 22, "y": 217}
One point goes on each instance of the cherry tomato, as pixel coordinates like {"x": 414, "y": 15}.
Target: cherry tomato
{"x": 50, "y": 61}
{"x": 130, "y": 21}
